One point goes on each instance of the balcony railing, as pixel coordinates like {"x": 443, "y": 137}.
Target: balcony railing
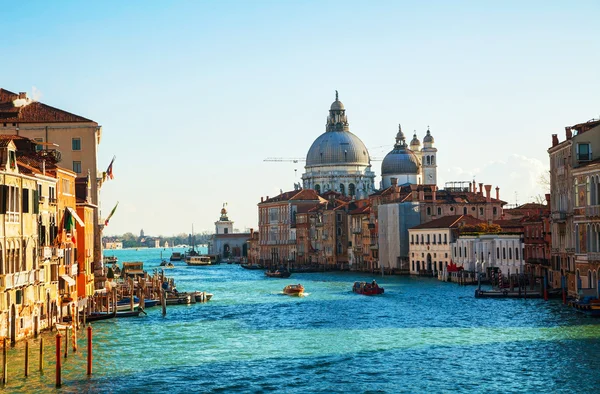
{"x": 559, "y": 216}
{"x": 18, "y": 279}
{"x": 593, "y": 256}
{"x": 593, "y": 210}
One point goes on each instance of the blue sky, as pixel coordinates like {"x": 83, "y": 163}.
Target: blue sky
{"x": 193, "y": 95}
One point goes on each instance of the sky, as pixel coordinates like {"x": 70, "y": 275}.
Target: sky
{"x": 193, "y": 95}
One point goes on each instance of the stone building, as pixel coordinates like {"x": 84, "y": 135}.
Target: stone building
{"x": 225, "y": 243}
{"x": 73, "y": 139}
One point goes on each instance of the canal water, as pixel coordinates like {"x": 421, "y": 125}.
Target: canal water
{"x": 420, "y": 336}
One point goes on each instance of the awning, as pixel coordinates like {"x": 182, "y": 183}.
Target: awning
{"x": 74, "y": 214}
{"x": 68, "y": 279}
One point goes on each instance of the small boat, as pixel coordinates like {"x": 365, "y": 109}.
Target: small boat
{"x": 252, "y": 266}
{"x": 178, "y": 299}
{"x": 125, "y": 304}
{"x": 167, "y": 264}
{"x": 278, "y": 274}
{"x": 95, "y": 316}
{"x": 365, "y": 288}
{"x": 200, "y": 296}
{"x": 587, "y": 305}
{"x": 197, "y": 260}
{"x": 176, "y": 256}
{"x": 110, "y": 260}
{"x": 294, "y": 289}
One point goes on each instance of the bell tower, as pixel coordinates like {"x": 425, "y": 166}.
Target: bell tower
{"x": 429, "y": 160}
{"x": 223, "y": 225}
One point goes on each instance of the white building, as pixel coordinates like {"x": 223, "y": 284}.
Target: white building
{"x": 431, "y": 243}
{"x": 504, "y": 251}
{"x": 338, "y": 160}
{"x": 225, "y": 243}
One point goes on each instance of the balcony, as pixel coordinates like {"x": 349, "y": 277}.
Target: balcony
{"x": 559, "y": 216}
{"x": 73, "y": 270}
{"x": 18, "y": 279}
{"x": 592, "y": 211}
{"x": 593, "y": 256}
{"x": 52, "y": 201}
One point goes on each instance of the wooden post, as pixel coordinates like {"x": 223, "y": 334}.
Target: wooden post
{"x": 66, "y": 342}
{"x": 563, "y": 282}
{"x": 58, "y": 361}
{"x": 4, "y": 362}
{"x": 42, "y": 356}
{"x": 131, "y": 293}
{"x": 74, "y": 339}
{"x": 89, "y": 350}
{"x": 163, "y": 302}
{"x": 26, "y": 358}
{"x": 545, "y": 283}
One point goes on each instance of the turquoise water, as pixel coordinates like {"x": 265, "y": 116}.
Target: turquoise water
{"x": 420, "y": 336}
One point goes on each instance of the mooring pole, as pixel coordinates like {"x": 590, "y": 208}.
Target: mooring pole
{"x": 42, "y": 355}
{"x": 89, "y": 350}
{"x": 26, "y": 358}
{"x": 58, "y": 360}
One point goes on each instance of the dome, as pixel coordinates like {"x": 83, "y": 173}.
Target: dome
{"x": 400, "y": 161}
{"x": 415, "y": 140}
{"x": 335, "y": 148}
{"x": 428, "y": 138}
{"x": 337, "y": 105}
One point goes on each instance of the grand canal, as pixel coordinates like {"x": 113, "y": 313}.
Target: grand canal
{"x": 421, "y": 336}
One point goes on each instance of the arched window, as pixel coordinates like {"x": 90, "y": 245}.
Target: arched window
{"x": 439, "y": 210}
{"x": 318, "y": 188}
{"x": 422, "y": 239}
{"x": 465, "y": 251}
{"x": 464, "y": 210}
{"x": 517, "y": 253}
{"x": 428, "y": 162}
{"x": 589, "y": 278}
{"x": 510, "y": 253}
{"x": 351, "y": 190}
{"x": 342, "y": 189}
{"x": 503, "y": 253}
{"x": 428, "y": 211}
{"x": 497, "y": 253}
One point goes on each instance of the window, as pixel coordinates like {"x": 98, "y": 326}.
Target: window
{"x": 497, "y": 253}
{"x": 318, "y": 189}
{"x": 495, "y": 210}
{"x": 445, "y": 238}
{"x": 225, "y": 230}
{"x": 76, "y": 143}
{"x": 39, "y": 147}
{"x": 439, "y": 210}
{"x": 510, "y": 253}
{"x": 517, "y": 253}
{"x": 464, "y": 210}
{"x": 481, "y": 211}
{"x": 77, "y": 167}
{"x": 422, "y": 239}
{"x": 25, "y": 200}
{"x": 11, "y": 204}
{"x": 351, "y": 189}
{"x": 342, "y": 189}
{"x": 428, "y": 210}
{"x": 584, "y": 153}
{"x": 428, "y": 239}
{"x": 412, "y": 238}
{"x": 504, "y": 253}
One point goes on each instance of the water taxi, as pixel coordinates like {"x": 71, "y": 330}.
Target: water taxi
{"x": 198, "y": 260}
{"x": 365, "y": 288}
{"x": 294, "y": 289}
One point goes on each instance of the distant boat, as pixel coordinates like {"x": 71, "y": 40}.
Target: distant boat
{"x": 110, "y": 260}
{"x": 365, "y": 288}
{"x": 278, "y": 274}
{"x": 176, "y": 256}
{"x": 198, "y": 260}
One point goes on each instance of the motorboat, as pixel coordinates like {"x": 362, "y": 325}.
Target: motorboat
{"x": 167, "y": 264}
{"x": 278, "y": 274}
{"x": 588, "y": 305}
{"x": 294, "y": 289}
{"x": 178, "y": 299}
{"x": 365, "y": 288}
{"x": 198, "y": 260}
{"x": 110, "y": 260}
{"x": 252, "y": 266}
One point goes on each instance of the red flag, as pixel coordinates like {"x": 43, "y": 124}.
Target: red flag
{"x": 109, "y": 170}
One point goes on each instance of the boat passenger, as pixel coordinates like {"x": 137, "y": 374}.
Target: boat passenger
{"x": 374, "y": 284}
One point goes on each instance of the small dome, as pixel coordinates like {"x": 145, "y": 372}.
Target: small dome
{"x": 428, "y": 138}
{"x": 337, "y": 106}
{"x": 415, "y": 140}
{"x": 400, "y": 161}
{"x": 223, "y": 211}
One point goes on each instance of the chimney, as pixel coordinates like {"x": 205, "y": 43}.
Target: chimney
{"x": 251, "y": 233}
{"x": 488, "y": 190}
{"x": 497, "y": 193}
{"x": 413, "y": 190}
{"x": 23, "y": 95}
{"x": 547, "y": 199}
{"x": 554, "y": 139}
{"x": 262, "y": 199}
{"x": 481, "y": 189}
{"x": 568, "y": 132}
{"x": 267, "y": 198}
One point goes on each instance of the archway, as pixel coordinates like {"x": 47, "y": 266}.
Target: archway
{"x": 226, "y": 251}
{"x": 428, "y": 261}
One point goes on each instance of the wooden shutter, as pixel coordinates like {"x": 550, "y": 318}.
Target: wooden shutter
{"x": 3, "y": 199}
{"x": 25, "y": 200}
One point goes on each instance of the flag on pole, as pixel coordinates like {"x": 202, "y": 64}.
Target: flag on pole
{"x": 69, "y": 225}
{"x": 109, "y": 170}
{"x": 111, "y": 213}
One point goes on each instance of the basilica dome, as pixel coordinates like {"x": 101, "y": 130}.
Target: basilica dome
{"x": 335, "y": 148}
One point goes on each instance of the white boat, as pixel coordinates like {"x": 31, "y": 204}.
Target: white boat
{"x": 126, "y": 307}
{"x": 198, "y": 260}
